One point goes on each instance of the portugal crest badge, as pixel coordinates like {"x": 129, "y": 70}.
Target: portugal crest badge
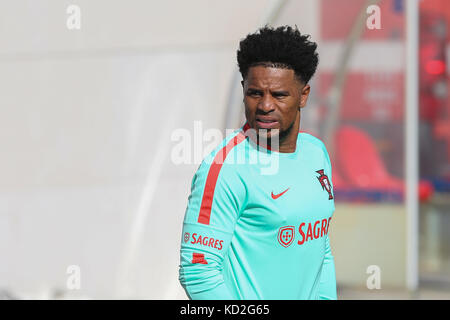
{"x": 325, "y": 183}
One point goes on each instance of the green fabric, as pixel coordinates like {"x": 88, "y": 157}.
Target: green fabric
{"x": 245, "y": 251}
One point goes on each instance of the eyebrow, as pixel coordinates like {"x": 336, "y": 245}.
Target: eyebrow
{"x": 278, "y": 92}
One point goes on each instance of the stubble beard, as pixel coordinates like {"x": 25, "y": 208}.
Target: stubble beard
{"x": 273, "y": 140}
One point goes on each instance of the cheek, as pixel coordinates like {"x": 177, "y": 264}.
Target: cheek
{"x": 290, "y": 113}
{"x": 249, "y": 107}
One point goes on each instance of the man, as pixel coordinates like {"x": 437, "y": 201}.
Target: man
{"x": 250, "y": 235}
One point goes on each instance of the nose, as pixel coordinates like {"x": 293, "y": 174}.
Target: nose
{"x": 266, "y": 104}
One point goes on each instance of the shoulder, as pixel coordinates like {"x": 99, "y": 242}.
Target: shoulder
{"x": 221, "y": 158}
{"x": 218, "y": 176}
{"x": 308, "y": 140}
{"x": 224, "y": 151}
{"x": 315, "y": 149}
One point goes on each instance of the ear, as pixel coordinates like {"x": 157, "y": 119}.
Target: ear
{"x": 304, "y": 95}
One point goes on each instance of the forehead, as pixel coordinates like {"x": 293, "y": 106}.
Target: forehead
{"x": 262, "y": 76}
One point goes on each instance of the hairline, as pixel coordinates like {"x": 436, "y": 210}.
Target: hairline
{"x": 278, "y": 65}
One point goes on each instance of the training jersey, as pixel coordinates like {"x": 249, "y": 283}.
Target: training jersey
{"x": 257, "y": 221}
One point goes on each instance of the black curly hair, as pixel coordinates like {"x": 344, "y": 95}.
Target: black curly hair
{"x": 283, "y": 47}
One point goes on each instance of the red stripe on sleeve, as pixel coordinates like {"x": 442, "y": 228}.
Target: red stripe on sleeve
{"x": 213, "y": 174}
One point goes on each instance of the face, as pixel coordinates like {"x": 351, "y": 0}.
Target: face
{"x": 273, "y": 98}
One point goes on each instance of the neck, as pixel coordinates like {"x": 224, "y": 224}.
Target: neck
{"x": 288, "y": 140}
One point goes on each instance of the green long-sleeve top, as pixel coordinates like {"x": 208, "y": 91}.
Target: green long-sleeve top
{"x": 257, "y": 221}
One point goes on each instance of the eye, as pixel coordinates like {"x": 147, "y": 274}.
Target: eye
{"x": 254, "y": 93}
{"x": 279, "y": 94}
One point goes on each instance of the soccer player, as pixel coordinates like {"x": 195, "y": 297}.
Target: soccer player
{"x": 255, "y": 234}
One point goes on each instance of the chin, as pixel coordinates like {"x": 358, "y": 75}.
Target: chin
{"x": 268, "y": 132}
{"x": 267, "y": 136}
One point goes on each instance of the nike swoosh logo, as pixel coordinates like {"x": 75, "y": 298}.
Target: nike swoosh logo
{"x": 276, "y": 196}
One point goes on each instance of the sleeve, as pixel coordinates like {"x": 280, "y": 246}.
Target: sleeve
{"x": 216, "y": 199}
{"x": 327, "y": 287}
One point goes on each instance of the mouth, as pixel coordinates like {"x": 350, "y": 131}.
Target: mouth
{"x": 266, "y": 123}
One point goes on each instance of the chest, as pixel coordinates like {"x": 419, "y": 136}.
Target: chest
{"x": 296, "y": 194}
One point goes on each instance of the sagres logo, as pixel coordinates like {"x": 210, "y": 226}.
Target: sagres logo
{"x": 286, "y": 236}
{"x": 186, "y": 236}
{"x": 308, "y": 231}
